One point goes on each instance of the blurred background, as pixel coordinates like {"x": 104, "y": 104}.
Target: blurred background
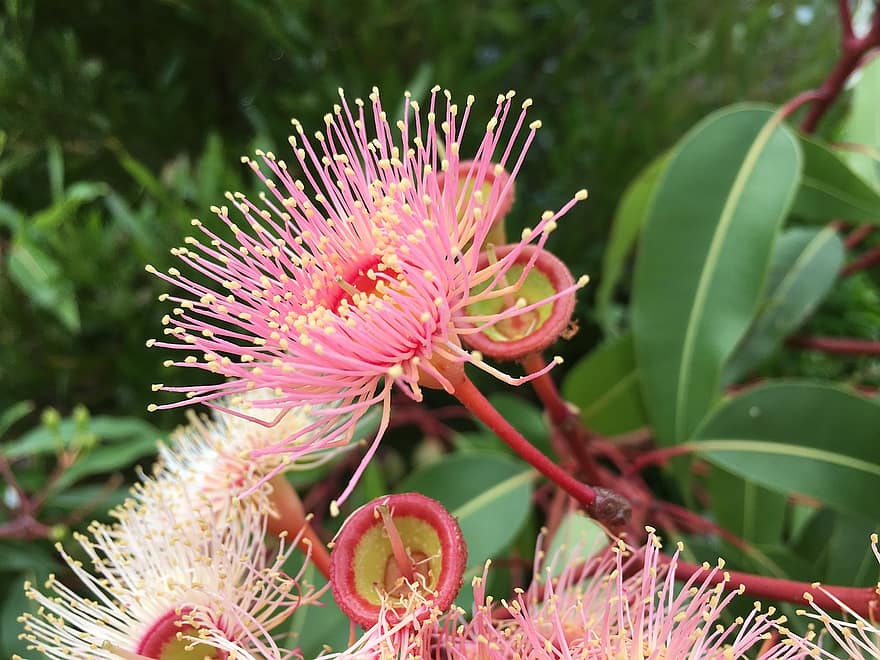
{"x": 120, "y": 121}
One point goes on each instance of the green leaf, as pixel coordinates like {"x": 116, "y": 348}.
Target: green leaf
{"x": 862, "y": 124}
{"x": 14, "y": 603}
{"x": 703, "y": 258}
{"x": 61, "y": 211}
{"x": 798, "y": 437}
{"x": 106, "y": 458}
{"x": 14, "y": 413}
{"x": 805, "y": 264}
{"x": 830, "y": 189}
{"x": 605, "y": 386}
{"x": 41, "y": 278}
{"x": 55, "y": 165}
{"x": 490, "y": 495}
{"x": 525, "y": 417}
{"x": 630, "y": 215}
{"x": 44, "y": 440}
{"x": 850, "y": 560}
{"x": 746, "y": 509}
{"x": 317, "y": 628}
{"x": 577, "y": 538}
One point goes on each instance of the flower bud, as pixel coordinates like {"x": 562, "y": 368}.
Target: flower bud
{"x": 514, "y": 325}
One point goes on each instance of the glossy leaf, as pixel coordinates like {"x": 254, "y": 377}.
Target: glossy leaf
{"x": 630, "y": 215}
{"x": 805, "y": 264}
{"x": 861, "y": 128}
{"x": 489, "y": 494}
{"x": 800, "y": 437}
{"x": 830, "y": 189}
{"x": 703, "y": 258}
{"x": 605, "y": 386}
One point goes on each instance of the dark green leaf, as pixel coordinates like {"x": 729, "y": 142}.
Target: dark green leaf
{"x": 703, "y": 258}
{"x": 746, "y": 509}
{"x": 605, "y": 386}
{"x": 14, "y": 413}
{"x": 805, "y": 264}
{"x": 830, "y": 189}
{"x": 40, "y": 277}
{"x": 14, "y": 603}
{"x": 798, "y": 437}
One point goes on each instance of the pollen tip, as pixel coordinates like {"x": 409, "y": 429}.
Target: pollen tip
{"x": 334, "y": 509}
{"x": 583, "y": 280}
{"x": 558, "y": 359}
{"x": 152, "y": 407}
{"x": 581, "y": 194}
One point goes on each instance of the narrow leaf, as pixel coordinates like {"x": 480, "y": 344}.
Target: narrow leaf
{"x": 703, "y": 259}
{"x": 629, "y": 217}
{"x": 805, "y": 264}
{"x": 830, "y": 189}
{"x": 788, "y": 438}
{"x": 605, "y": 386}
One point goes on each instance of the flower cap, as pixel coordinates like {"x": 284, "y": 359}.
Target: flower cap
{"x": 398, "y": 558}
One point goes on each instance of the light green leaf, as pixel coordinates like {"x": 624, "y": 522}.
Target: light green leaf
{"x": 799, "y": 437}
{"x": 43, "y": 440}
{"x": 630, "y": 215}
{"x": 577, "y": 538}
{"x": 605, "y": 386}
{"x": 862, "y": 124}
{"x": 703, "y": 259}
{"x": 805, "y": 264}
{"x": 830, "y": 189}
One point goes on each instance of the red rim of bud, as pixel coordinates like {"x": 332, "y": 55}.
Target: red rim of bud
{"x": 161, "y": 639}
{"x": 532, "y": 331}
{"x": 494, "y": 177}
{"x": 365, "y": 568}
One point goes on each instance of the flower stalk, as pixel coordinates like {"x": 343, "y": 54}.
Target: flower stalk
{"x": 293, "y": 520}
{"x": 471, "y": 397}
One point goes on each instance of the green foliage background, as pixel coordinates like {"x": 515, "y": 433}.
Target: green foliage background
{"x": 121, "y": 121}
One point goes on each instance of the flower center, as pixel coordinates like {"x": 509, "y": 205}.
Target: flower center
{"x": 164, "y": 639}
{"x": 357, "y": 284}
{"x": 383, "y": 575}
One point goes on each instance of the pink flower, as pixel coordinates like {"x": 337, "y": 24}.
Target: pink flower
{"x": 620, "y": 604}
{"x": 359, "y": 268}
{"x": 160, "y": 585}
{"x": 855, "y": 635}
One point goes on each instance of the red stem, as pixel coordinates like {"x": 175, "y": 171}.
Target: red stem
{"x": 856, "y": 236}
{"x": 563, "y": 416}
{"x": 854, "y": 49}
{"x": 473, "y": 400}
{"x": 842, "y": 345}
{"x": 868, "y": 259}
{"x": 859, "y": 599}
